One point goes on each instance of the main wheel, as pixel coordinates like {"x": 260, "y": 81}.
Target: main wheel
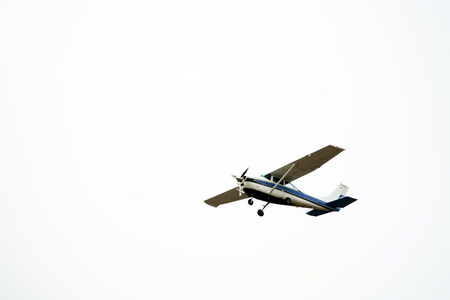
{"x": 288, "y": 201}
{"x": 250, "y": 201}
{"x": 260, "y": 212}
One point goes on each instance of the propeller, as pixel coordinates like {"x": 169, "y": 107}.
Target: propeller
{"x": 240, "y": 181}
{"x": 245, "y": 172}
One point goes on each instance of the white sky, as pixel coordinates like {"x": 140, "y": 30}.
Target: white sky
{"x": 118, "y": 118}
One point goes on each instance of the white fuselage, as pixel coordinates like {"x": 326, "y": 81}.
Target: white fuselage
{"x": 263, "y": 189}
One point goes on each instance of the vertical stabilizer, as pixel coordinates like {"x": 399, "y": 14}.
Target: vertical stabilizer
{"x": 338, "y": 193}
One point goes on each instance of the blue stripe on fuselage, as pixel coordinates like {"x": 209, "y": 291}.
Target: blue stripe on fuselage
{"x": 293, "y": 192}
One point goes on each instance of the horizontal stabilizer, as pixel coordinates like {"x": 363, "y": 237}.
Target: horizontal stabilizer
{"x": 339, "y": 203}
{"x": 317, "y": 212}
{"x": 343, "y": 202}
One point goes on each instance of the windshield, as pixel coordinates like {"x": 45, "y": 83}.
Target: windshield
{"x": 275, "y": 179}
{"x": 267, "y": 176}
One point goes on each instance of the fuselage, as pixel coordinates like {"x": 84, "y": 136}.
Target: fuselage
{"x": 285, "y": 194}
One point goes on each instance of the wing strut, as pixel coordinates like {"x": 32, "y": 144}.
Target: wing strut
{"x": 281, "y": 179}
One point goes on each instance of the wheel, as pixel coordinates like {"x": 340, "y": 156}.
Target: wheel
{"x": 260, "y": 212}
{"x": 288, "y": 201}
{"x": 250, "y": 201}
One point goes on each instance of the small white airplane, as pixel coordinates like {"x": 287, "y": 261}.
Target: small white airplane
{"x": 276, "y": 187}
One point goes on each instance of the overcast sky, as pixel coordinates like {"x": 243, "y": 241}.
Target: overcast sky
{"x": 119, "y": 118}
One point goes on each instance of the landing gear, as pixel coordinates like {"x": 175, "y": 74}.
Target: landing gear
{"x": 250, "y": 201}
{"x": 261, "y": 211}
{"x": 288, "y": 201}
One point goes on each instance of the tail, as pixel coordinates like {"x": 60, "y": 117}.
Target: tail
{"x": 339, "y": 200}
{"x": 336, "y": 205}
{"x": 338, "y": 193}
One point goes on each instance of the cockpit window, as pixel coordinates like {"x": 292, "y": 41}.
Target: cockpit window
{"x": 267, "y": 176}
{"x": 275, "y": 179}
{"x": 288, "y": 184}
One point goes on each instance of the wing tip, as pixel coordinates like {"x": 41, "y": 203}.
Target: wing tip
{"x": 337, "y": 147}
{"x": 210, "y": 204}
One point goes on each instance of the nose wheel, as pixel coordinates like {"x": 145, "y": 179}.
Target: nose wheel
{"x": 261, "y": 211}
{"x": 250, "y": 201}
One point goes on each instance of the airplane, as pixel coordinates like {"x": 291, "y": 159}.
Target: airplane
{"x": 276, "y": 187}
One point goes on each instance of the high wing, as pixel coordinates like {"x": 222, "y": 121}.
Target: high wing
{"x": 307, "y": 164}
{"x": 227, "y": 197}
